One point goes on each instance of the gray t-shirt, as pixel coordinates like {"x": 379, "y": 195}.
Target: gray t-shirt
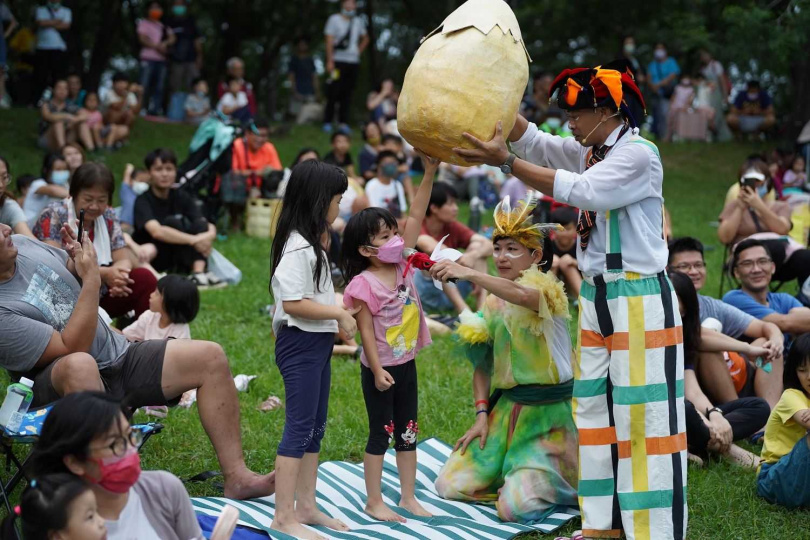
{"x": 734, "y": 321}
{"x": 39, "y": 299}
{"x": 339, "y": 27}
{"x": 10, "y": 213}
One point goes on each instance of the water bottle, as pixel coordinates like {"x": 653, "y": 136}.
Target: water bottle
{"x": 18, "y": 399}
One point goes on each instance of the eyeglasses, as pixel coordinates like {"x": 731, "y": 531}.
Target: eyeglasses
{"x": 5, "y": 179}
{"x": 764, "y": 262}
{"x": 121, "y": 444}
{"x": 685, "y": 267}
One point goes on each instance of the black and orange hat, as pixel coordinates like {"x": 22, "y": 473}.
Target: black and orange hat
{"x": 610, "y": 86}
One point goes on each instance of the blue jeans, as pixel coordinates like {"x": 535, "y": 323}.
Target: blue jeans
{"x": 304, "y": 360}
{"x": 787, "y": 482}
{"x": 434, "y": 300}
{"x": 660, "y": 112}
{"x": 153, "y": 76}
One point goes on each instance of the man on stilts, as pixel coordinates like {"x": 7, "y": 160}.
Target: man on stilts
{"x": 629, "y": 394}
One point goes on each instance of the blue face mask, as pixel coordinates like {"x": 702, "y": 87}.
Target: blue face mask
{"x": 762, "y": 191}
{"x": 60, "y": 178}
{"x": 389, "y": 170}
{"x": 179, "y": 10}
{"x": 348, "y": 12}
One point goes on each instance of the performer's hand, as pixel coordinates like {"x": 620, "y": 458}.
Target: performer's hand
{"x": 492, "y": 153}
{"x": 447, "y": 269}
{"x": 479, "y": 430}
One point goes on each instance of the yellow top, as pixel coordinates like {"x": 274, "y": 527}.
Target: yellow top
{"x": 782, "y": 432}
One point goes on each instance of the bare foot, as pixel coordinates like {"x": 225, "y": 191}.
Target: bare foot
{"x": 250, "y": 485}
{"x": 296, "y": 529}
{"x": 743, "y": 457}
{"x": 698, "y": 461}
{"x": 316, "y": 517}
{"x": 382, "y": 512}
{"x": 413, "y": 506}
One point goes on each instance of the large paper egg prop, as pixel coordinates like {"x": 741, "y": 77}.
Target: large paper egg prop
{"x": 467, "y": 74}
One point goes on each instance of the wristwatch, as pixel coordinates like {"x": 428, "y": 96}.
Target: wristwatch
{"x": 713, "y": 409}
{"x": 506, "y": 168}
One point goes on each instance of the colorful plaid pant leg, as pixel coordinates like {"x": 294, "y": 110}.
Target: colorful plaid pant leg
{"x": 628, "y": 406}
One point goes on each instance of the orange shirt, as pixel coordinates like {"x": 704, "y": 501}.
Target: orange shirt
{"x": 254, "y": 161}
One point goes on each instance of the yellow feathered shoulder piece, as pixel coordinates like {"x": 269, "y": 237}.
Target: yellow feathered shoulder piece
{"x": 553, "y": 302}
{"x": 472, "y": 328}
{"x": 518, "y": 225}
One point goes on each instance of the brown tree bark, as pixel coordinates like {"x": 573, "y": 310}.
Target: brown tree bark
{"x": 111, "y": 21}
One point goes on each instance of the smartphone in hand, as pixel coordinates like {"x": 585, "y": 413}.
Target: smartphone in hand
{"x": 81, "y": 226}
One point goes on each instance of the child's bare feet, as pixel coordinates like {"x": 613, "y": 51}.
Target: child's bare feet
{"x": 294, "y": 528}
{"x": 413, "y": 506}
{"x": 316, "y": 517}
{"x": 381, "y": 512}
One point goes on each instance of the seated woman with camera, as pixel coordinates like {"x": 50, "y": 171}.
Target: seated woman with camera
{"x": 755, "y": 212}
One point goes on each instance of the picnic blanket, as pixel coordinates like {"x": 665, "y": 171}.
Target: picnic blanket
{"x": 341, "y": 494}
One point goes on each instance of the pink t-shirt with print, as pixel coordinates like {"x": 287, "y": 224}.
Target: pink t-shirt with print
{"x": 400, "y": 330}
{"x": 154, "y": 32}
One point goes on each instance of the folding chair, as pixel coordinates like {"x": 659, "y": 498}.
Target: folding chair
{"x": 27, "y": 435}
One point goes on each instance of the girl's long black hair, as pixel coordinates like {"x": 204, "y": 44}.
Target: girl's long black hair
{"x": 306, "y": 202}
{"x": 798, "y": 356}
{"x": 687, "y": 294}
{"x": 70, "y": 427}
{"x": 361, "y": 228}
{"x": 44, "y": 506}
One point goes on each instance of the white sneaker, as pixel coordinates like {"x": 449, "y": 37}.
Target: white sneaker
{"x": 214, "y": 282}
{"x": 200, "y": 280}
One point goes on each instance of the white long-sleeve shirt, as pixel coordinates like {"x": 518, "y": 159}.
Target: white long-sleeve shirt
{"x": 629, "y": 179}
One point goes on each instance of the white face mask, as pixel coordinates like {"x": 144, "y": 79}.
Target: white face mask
{"x": 553, "y": 122}
{"x": 629, "y": 49}
{"x": 140, "y": 187}
{"x": 660, "y": 54}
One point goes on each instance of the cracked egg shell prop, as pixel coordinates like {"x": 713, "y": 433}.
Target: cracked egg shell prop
{"x": 468, "y": 73}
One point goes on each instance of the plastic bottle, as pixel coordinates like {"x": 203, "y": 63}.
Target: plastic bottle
{"x": 18, "y": 398}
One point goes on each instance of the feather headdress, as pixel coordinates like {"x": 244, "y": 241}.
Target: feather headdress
{"x": 517, "y": 223}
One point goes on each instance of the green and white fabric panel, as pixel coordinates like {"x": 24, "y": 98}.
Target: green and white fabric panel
{"x": 341, "y": 494}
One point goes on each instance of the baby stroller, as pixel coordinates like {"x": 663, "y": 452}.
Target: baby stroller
{"x": 210, "y": 156}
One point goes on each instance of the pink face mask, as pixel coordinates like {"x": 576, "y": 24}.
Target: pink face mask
{"x": 118, "y": 474}
{"x": 391, "y": 251}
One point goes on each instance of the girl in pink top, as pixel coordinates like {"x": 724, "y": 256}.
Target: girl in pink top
{"x": 393, "y": 329}
{"x": 172, "y": 306}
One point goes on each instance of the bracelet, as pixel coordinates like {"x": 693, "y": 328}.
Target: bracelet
{"x": 482, "y": 411}
{"x": 713, "y": 409}
{"x": 481, "y": 402}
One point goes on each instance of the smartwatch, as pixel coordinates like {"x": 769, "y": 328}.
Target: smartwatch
{"x": 506, "y": 168}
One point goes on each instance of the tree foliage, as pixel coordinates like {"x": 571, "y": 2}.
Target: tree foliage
{"x": 767, "y": 39}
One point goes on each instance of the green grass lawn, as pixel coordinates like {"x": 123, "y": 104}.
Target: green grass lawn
{"x": 722, "y": 499}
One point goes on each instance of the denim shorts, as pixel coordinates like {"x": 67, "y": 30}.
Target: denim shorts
{"x": 787, "y": 482}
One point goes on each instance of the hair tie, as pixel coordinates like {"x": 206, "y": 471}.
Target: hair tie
{"x": 17, "y": 510}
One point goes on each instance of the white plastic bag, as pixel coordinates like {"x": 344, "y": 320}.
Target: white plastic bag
{"x": 223, "y": 268}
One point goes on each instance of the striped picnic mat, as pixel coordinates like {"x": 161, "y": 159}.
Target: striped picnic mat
{"x": 341, "y": 494}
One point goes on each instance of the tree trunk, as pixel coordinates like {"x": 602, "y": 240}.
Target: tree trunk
{"x": 372, "y": 47}
{"x": 800, "y": 79}
{"x": 112, "y": 21}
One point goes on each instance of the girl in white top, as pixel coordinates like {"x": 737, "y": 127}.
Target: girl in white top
{"x": 305, "y": 322}
{"x": 172, "y": 306}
